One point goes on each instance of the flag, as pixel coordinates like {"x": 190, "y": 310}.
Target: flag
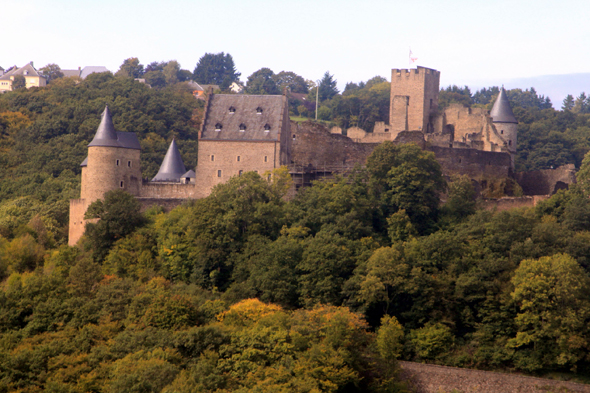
{"x": 412, "y": 59}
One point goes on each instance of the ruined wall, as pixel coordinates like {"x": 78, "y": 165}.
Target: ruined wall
{"x": 167, "y": 190}
{"x": 166, "y": 203}
{"x": 314, "y": 145}
{"x": 508, "y": 203}
{"x": 218, "y": 161}
{"x": 546, "y": 181}
{"x": 473, "y": 163}
{"x": 427, "y": 378}
{"x": 77, "y": 223}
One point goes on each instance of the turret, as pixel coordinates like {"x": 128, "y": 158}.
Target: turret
{"x": 112, "y": 163}
{"x": 504, "y": 120}
{"x": 172, "y": 168}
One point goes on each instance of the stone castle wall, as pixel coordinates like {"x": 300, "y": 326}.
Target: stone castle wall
{"x": 77, "y": 222}
{"x": 218, "y": 161}
{"x": 476, "y": 164}
{"x": 546, "y": 181}
{"x": 428, "y": 378}
{"x": 167, "y": 190}
{"x": 508, "y": 203}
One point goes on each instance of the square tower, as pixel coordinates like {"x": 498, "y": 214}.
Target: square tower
{"x": 417, "y": 90}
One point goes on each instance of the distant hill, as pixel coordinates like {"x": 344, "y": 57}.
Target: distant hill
{"x": 556, "y": 87}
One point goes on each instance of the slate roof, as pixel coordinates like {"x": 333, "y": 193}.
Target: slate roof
{"x": 263, "y": 126}
{"x": 68, "y": 73}
{"x": 85, "y": 162}
{"x": 107, "y": 136}
{"x": 27, "y": 70}
{"x": 172, "y": 168}
{"x": 502, "y": 111}
{"x": 91, "y": 70}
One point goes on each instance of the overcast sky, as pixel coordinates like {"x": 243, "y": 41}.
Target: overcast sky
{"x": 469, "y": 41}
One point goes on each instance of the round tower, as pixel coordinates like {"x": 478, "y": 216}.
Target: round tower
{"x": 112, "y": 163}
{"x": 504, "y": 120}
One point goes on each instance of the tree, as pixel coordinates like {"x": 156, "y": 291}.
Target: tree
{"x": 216, "y": 69}
{"x": 118, "y": 215}
{"x": 568, "y": 103}
{"x": 131, "y": 68}
{"x": 19, "y": 82}
{"x": 262, "y": 82}
{"x": 291, "y": 80}
{"x": 327, "y": 87}
{"x": 581, "y": 104}
{"x": 553, "y": 298}
{"x": 409, "y": 178}
{"x": 171, "y": 71}
{"x": 51, "y": 72}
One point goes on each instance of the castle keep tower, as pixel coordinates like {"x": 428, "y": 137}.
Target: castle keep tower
{"x": 112, "y": 163}
{"x": 414, "y": 99}
{"x": 504, "y": 120}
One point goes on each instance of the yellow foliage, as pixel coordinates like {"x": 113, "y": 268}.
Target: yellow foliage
{"x": 248, "y": 311}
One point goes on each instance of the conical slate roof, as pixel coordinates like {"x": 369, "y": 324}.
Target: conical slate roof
{"x": 502, "y": 112}
{"x": 172, "y": 167}
{"x": 105, "y": 134}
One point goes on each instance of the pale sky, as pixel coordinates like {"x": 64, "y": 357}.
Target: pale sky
{"x": 469, "y": 41}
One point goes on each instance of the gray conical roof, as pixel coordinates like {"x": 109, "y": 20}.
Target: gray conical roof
{"x": 172, "y": 167}
{"x": 502, "y": 112}
{"x": 105, "y": 134}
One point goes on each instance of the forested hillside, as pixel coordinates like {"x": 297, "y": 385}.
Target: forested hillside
{"x": 245, "y": 291}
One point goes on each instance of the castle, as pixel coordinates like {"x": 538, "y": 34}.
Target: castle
{"x": 414, "y": 107}
{"x": 243, "y": 133}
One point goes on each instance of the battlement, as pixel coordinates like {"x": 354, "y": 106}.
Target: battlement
{"x": 421, "y": 71}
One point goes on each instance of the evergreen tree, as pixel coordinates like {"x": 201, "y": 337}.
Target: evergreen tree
{"x": 568, "y": 103}
{"x": 216, "y": 69}
{"x": 327, "y": 87}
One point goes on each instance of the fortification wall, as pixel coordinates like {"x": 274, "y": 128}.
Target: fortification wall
{"x": 508, "y": 203}
{"x": 314, "y": 145}
{"x": 546, "y": 181}
{"x": 77, "y": 223}
{"x": 427, "y": 378}
{"x": 165, "y": 203}
{"x": 476, "y": 164}
{"x": 167, "y": 190}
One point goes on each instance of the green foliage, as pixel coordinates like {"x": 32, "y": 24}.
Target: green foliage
{"x": 19, "y": 82}
{"x": 327, "y": 87}
{"x": 118, "y": 215}
{"x": 431, "y": 341}
{"x": 390, "y": 339}
{"x": 131, "y": 68}
{"x": 552, "y": 294}
{"x": 216, "y": 69}
{"x": 262, "y": 82}
{"x": 51, "y": 71}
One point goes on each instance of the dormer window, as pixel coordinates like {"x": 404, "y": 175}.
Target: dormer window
{"x": 259, "y": 111}
{"x": 232, "y": 110}
{"x": 242, "y": 127}
{"x": 267, "y": 128}
{"x": 218, "y": 127}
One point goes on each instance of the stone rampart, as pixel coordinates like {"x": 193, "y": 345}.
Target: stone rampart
{"x": 167, "y": 190}
{"x": 165, "y": 203}
{"x": 427, "y": 378}
{"x": 546, "y": 181}
{"x": 508, "y": 203}
{"x": 476, "y": 164}
{"x": 314, "y": 145}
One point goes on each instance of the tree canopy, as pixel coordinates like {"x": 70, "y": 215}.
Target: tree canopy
{"x": 216, "y": 69}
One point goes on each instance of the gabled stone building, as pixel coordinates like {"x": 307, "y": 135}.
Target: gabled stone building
{"x": 242, "y": 133}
